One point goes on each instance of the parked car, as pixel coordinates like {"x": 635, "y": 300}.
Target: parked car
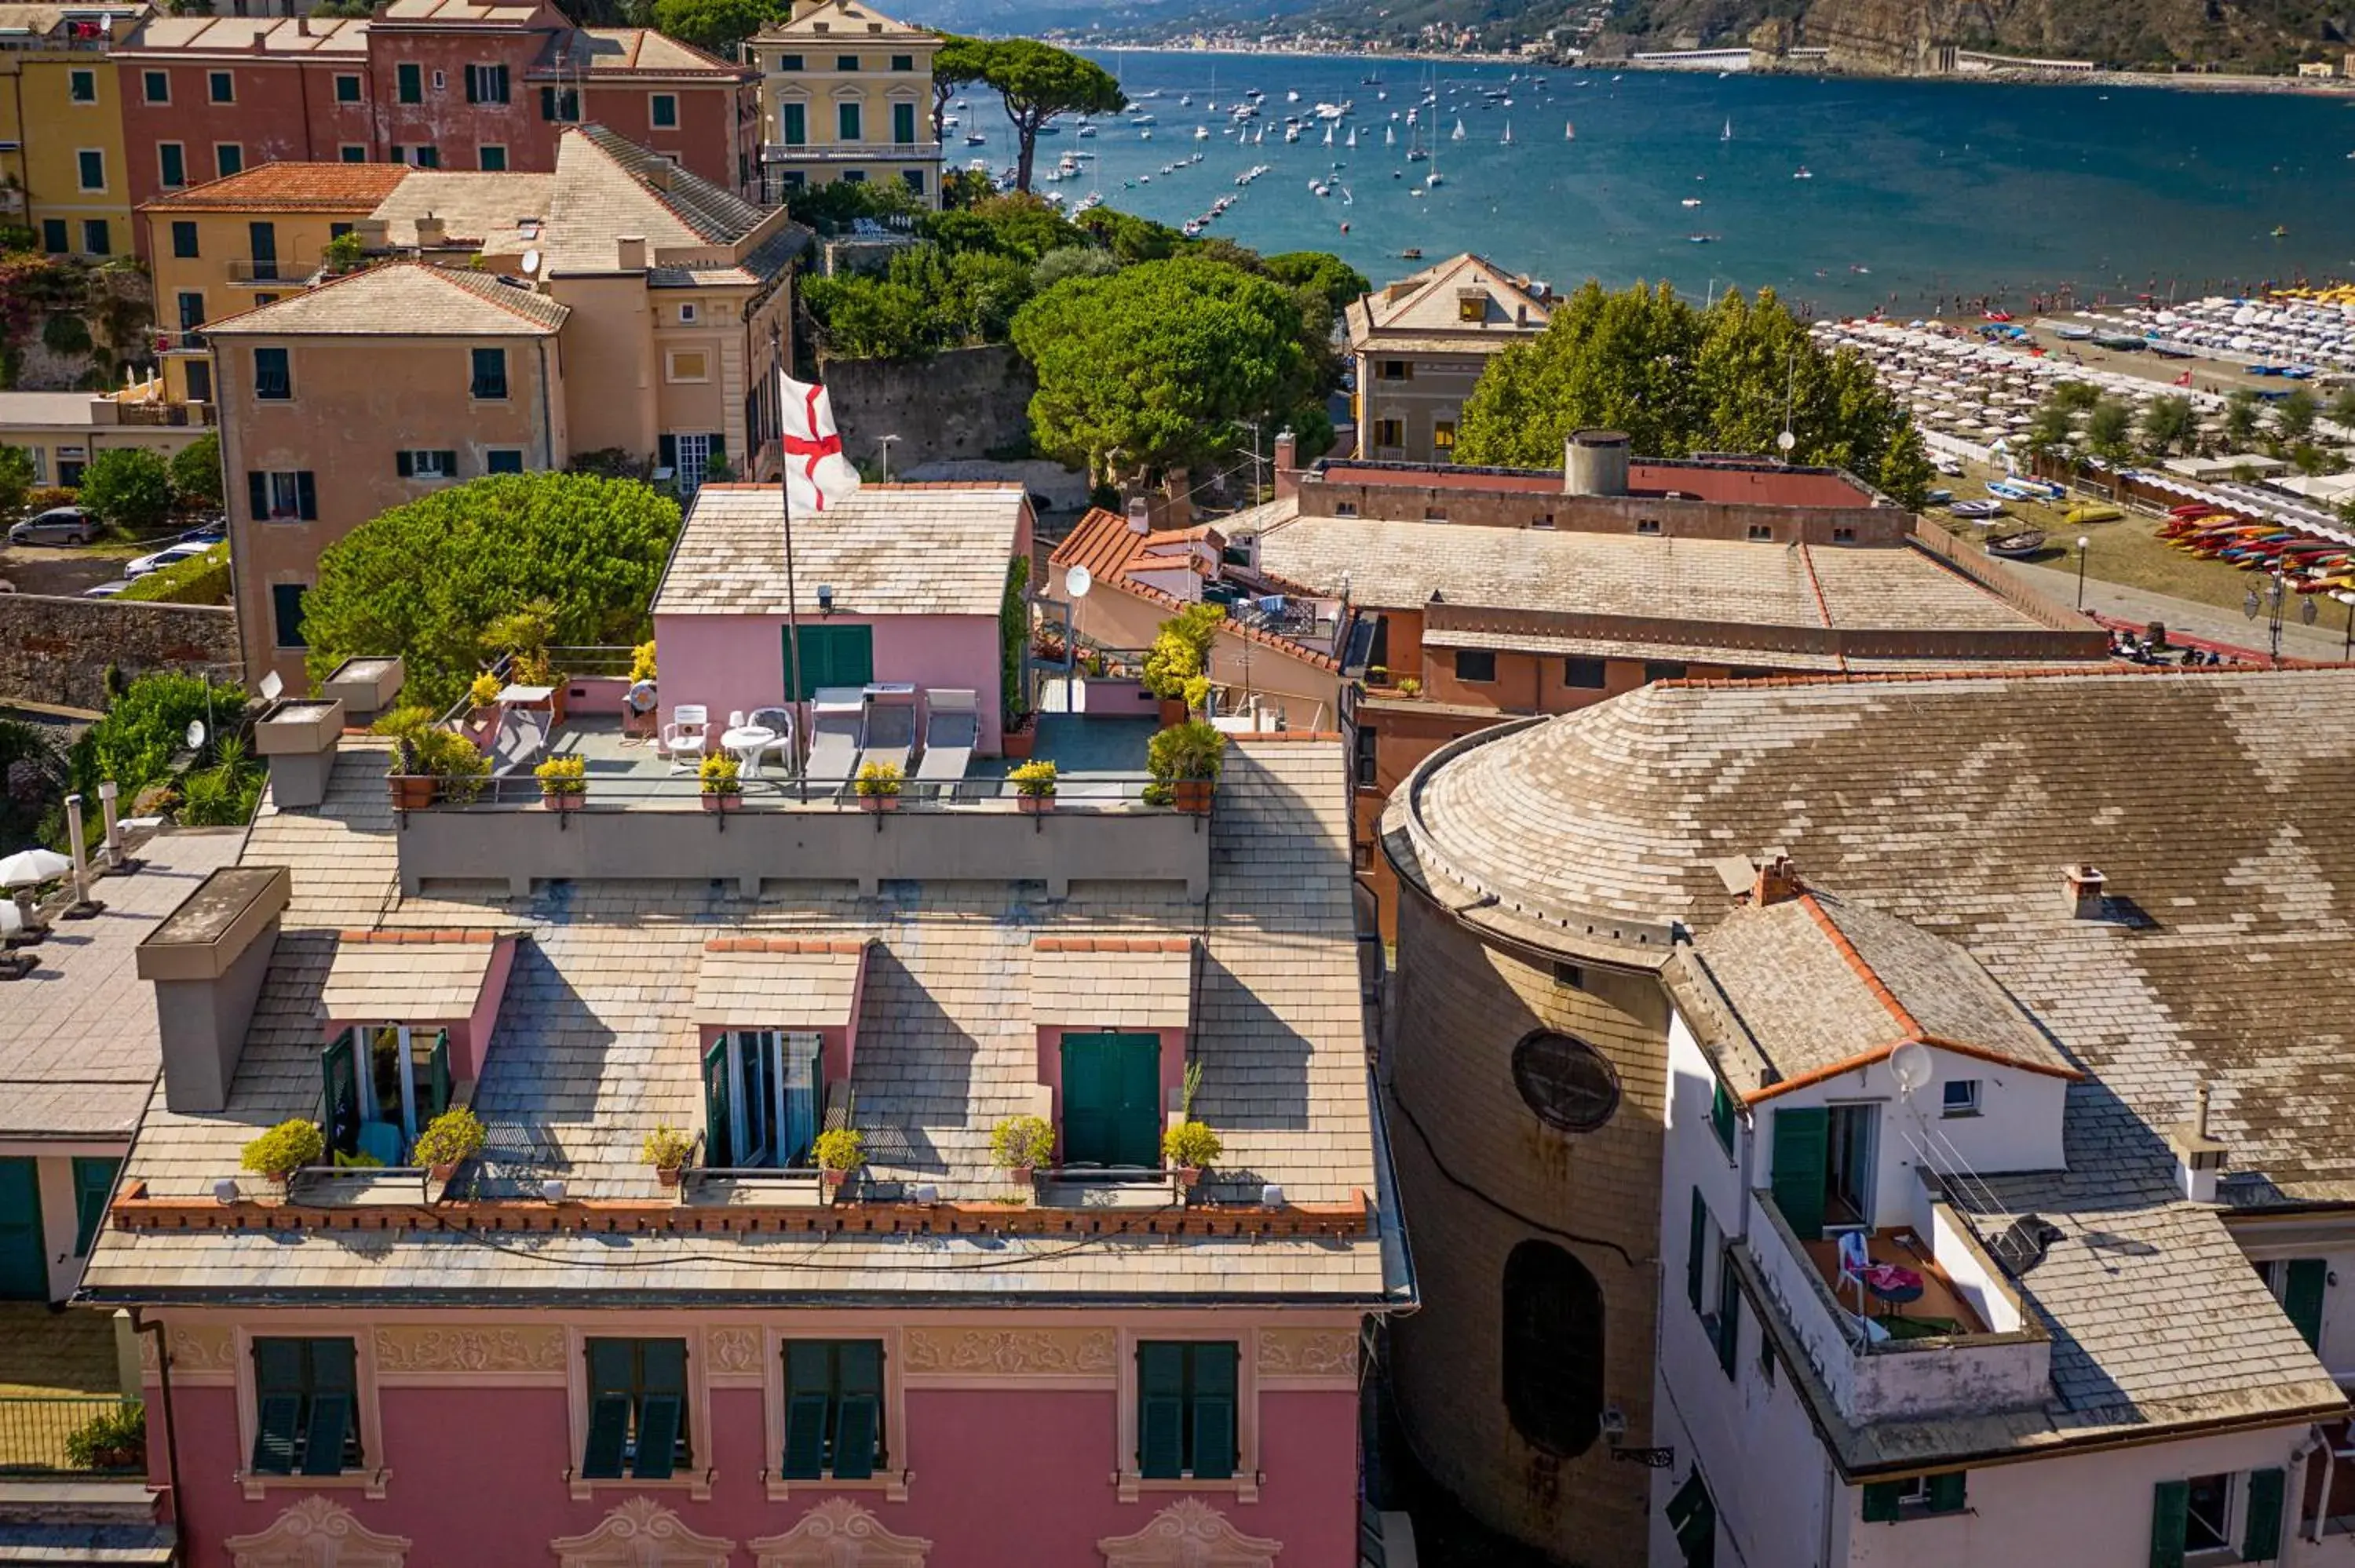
{"x": 213, "y": 533}
{"x": 170, "y": 556}
{"x": 58, "y": 525}
{"x": 104, "y": 590}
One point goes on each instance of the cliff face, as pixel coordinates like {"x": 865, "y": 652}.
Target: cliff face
{"x": 1910, "y": 35}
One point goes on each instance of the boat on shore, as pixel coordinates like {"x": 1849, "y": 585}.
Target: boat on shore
{"x": 1975, "y": 511}
{"x": 2016, "y": 547}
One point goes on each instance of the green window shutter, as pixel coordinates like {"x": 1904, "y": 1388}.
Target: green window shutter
{"x": 410, "y": 81}
{"x": 277, "y": 1417}
{"x": 307, "y": 495}
{"x": 662, "y": 1366}
{"x": 717, "y": 1151}
{"x": 1688, "y": 1497}
{"x": 403, "y": 465}
{"x": 658, "y": 1423}
{"x": 93, "y": 1185}
{"x": 796, "y": 127}
{"x": 449, "y": 464}
{"x": 611, "y": 1368}
{"x": 278, "y": 1367}
{"x": 257, "y": 493}
{"x": 718, "y": 452}
{"x": 322, "y": 1443}
{"x": 1946, "y": 1492}
{"x": 2260, "y": 1536}
{"x": 1693, "y": 1517}
{"x": 1802, "y": 1166}
{"x": 1161, "y": 1410}
{"x": 334, "y": 1366}
{"x": 548, "y": 103}
{"x": 1720, "y": 1115}
{"x": 1214, "y": 1410}
{"x": 2302, "y": 1297}
{"x": 1881, "y": 1501}
{"x": 805, "y": 1416}
{"x": 439, "y": 1074}
{"x": 857, "y": 1420}
{"x": 609, "y": 1429}
{"x": 1729, "y": 1313}
{"x": 2170, "y": 1503}
{"x": 1695, "y": 1240}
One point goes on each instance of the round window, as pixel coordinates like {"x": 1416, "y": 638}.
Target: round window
{"x": 1567, "y": 1082}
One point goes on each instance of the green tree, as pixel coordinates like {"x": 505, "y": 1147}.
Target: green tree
{"x": 1071, "y": 261}
{"x": 1023, "y": 226}
{"x": 2342, "y": 409}
{"x": 128, "y": 487}
{"x": 16, "y": 481}
{"x": 197, "y": 471}
{"x": 959, "y": 62}
{"x": 147, "y": 727}
{"x": 2294, "y": 415}
{"x": 2054, "y": 427}
{"x": 1148, "y": 368}
{"x": 2169, "y": 425}
{"x": 2077, "y": 397}
{"x": 1134, "y": 239}
{"x": 1337, "y": 283}
{"x": 2243, "y": 414}
{"x": 717, "y": 26}
{"x": 1039, "y": 83}
{"x": 2109, "y": 430}
{"x": 424, "y": 579}
{"x": 32, "y": 780}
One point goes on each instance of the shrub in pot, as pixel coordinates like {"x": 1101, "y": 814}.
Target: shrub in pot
{"x": 563, "y": 781}
{"x": 1185, "y": 761}
{"x": 430, "y": 762}
{"x": 1189, "y": 1146}
{"x": 112, "y": 1439}
{"x": 1034, "y": 786}
{"x": 878, "y": 787}
{"x": 667, "y": 1149}
{"x": 839, "y": 1151}
{"x": 455, "y": 1135}
{"x": 284, "y": 1149}
{"x": 1019, "y": 1145}
{"x": 722, "y": 779}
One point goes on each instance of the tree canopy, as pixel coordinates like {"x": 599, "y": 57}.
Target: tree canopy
{"x": 1681, "y": 381}
{"x": 16, "y": 481}
{"x": 422, "y": 580}
{"x": 197, "y": 471}
{"x": 958, "y": 62}
{"x": 1148, "y": 368}
{"x": 1038, "y": 83}
{"x": 128, "y": 487}
{"x": 718, "y": 25}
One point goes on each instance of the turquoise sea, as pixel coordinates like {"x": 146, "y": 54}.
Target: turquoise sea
{"x": 1922, "y": 192}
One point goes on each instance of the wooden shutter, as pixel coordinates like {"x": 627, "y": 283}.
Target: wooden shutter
{"x": 2302, "y": 1297}
{"x": 307, "y": 495}
{"x": 2260, "y": 1536}
{"x": 667, "y": 452}
{"x": 1720, "y": 1115}
{"x": 93, "y": 1185}
{"x": 548, "y": 103}
{"x": 609, "y": 1429}
{"x": 718, "y": 1150}
{"x": 1802, "y": 1166}
{"x": 1161, "y": 1410}
{"x": 403, "y": 465}
{"x": 323, "y": 1441}
{"x": 858, "y": 1412}
{"x": 1881, "y": 1501}
{"x": 1214, "y": 1411}
{"x": 471, "y": 95}
{"x": 1693, "y": 1517}
{"x": 1087, "y": 1113}
{"x": 438, "y": 1075}
{"x": 805, "y": 1416}
{"x": 2170, "y": 1503}
{"x": 277, "y": 1417}
{"x": 1696, "y": 1239}
{"x": 257, "y": 493}
{"x": 1729, "y": 1312}
{"x": 449, "y": 464}
{"x": 1946, "y": 1492}
{"x": 658, "y": 1423}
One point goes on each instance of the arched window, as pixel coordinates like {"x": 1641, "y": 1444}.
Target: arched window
{"x": 1567, "y": 1082}
{"x": 1553, "y": 1348}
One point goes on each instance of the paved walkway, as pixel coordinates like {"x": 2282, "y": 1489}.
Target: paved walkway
{"x": 2327, "y": 639}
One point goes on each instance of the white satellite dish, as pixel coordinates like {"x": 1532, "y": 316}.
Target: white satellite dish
{"x": 1077, "y": 581}
{"x": 270, "y": 687}
{"x": 196, "y": 734}
{"x": 1913, "y": 1066}
{"x": 530, "y": 263}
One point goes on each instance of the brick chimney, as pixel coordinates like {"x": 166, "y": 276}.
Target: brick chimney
{"x": 1287, "y": 464}
{"x": 1777, "y": 880}
{"x": 2081, "y": 885}
{"x": 2198, "y": 1157}
{"x": 208, "y": 959}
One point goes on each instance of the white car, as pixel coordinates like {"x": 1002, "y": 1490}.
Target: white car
{"x": 104, "y": 590}
{"x": 171, "y": 556}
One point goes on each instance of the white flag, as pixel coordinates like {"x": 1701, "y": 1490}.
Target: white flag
{"x": 817, "y": 473}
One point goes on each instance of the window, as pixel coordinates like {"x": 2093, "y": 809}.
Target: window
{"x": 81, "y": 86}
{"x": 1552, "y": 1363}
{"x": 560, "y": 103}
{"x": 426, "y": 157}
{"x": 1567, "y": 1082}
{"x": 796, "y": 123}
{"x": 91, "y": 165}
{"x": 847, "y": 124}
{"x": 1569, "y": 975}
{"x": 171, "y": 165}
{"x": 490, "y": 383}
{"x": 228, "y": 158}
{"x": 1435, "y": 514}
{"x": 192, "y": 310}
{"x": 1761, "y": 533}
{"x": 486, "y": 84}
{"x": 261, "y": 299}
{"x": 347, "y": 88}
{"x": 1663, "y": 670}
{"x": 1345, "y": 509}
{"x": 425, "y": 463}
{"x": 53, "y": 235}
{"x": 1693, "y": 1517}
{"x": 1442, "y": 435}
{"x": 352, "y": 153}
{"x": 903, "y": 124}
{"x": 2194, "y": 1516}
{"x": 286, "y": 613}
{"x": 1476, "y": 665}
{"x": 1721, "y": 1115}
{"x": 1542, "y": 520}
{"x": 1186, "y": 1409}
{"x": 1648, "y": 527}
{"x": 687, "y": 315}
{"x": 1959, "y": 1097}
{"x": 763, "y": 1090}
{"x": 687, "y": 365}
{"x": 183, "y": 239}
{"x": 1888, "y": 1502}
{"x": 200, "y": 381}
{"x": 833, "y": 1409}
{"x": 491, "y": 158}
{"x": 789, "y": 62}
{"x": 409, "y": 84}
{"x": 93, "y": 1181}
{"x": 663, "y": 110}
{"x": 1389, "y": 432}
{"x": 1112, "y": 1095}
{"x": 2299, "y": 1284}
{"x": 846, "y": 62}
{"x": 913, "y": 179}
{"x": 637, "y": 1409}
{"x": 1843, "y": 535}
{"x": 262, "y": 244}
{"x": 1709, "y": 1283}
{"x": 284, "y": 495}
{"x": 1393, "y": 370}
{"x": 1365, "y": 748}
{"x": 502, "y": 460}
{"x": 220, "y": 87}
{"x": 155, "y": 86}
{"x": 94, "y": 237}
{"x": 1586, "y": 674}
{"x": 903, "y": 62}
{"x": 855, "y": 177}
{"x": 306, "y": 1406}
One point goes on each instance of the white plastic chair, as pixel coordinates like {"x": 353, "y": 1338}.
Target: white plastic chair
{"x": 685, "y": 739}
{"x": 780, "y": 720}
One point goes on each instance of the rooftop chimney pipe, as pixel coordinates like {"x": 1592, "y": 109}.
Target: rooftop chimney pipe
{"x": 1594, "y": 463}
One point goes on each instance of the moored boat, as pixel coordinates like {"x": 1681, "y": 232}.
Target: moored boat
{"x": 2015, "y": 547}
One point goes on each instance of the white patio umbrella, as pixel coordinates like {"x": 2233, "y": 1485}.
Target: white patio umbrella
{"x": 28, "y": 868}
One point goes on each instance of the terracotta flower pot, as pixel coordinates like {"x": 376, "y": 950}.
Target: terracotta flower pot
{"x": 879, "y": 802}
{"x": 445, "y": 1173}
{"x": 1034, "y": 805}
{"x": 1021, "y": 1174}
{"x": 723, "y": 802}
{"x": 1173, "y": 711}
{"x": 832, "y": 1180}
{"x": 667, "y": 1175}
{"x": 1016, "y": 744}
{"x": 1193, "y": 795}
{"x": 412, "y": 793}
{"x": 1187, "y": 1175}
{"x": 561, "y": 803}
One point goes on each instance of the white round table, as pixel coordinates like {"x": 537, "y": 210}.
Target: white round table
{"x": 747, "y": 742}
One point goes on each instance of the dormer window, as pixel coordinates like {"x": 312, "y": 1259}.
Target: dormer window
{"x": 776, "y": 1016}
{"x": 761, "y": 1097}
{"x": 382, "y": 1086}
{"x": 409, "y": 1015}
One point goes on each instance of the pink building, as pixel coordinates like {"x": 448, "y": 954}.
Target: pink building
{"x": 553, "y": 1355}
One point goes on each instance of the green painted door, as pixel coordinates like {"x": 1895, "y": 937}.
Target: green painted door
{"x": 1112, "y": 1099}
{"x": 24, "y": 1254}
{"x": 1802, "y": 1167}
{"x": 831, "y": 656}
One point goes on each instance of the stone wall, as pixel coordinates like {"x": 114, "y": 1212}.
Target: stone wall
{"x": 57, "y": 650}
{"x": 966, "y": 403}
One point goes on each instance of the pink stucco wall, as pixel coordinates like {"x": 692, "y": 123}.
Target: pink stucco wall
{"x": 469, "y": 1035}
{"x": 732, "y": 662}
{"x": 1002, "y": 1477}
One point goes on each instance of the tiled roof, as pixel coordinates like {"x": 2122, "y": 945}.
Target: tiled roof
{"x": 714, "y": 215}
{"x": 406, "y": 976}
{"x": 273, "y": 36}
{"x": 78, "y": 1041}
{"x": 1422, "y": 312}
{"x": 1102, "y": 542}
{"x": 606, "y": 186}
{"x": 290, "y": 187}
{"x": 483, "y": 211}
{"x": 445, "y": 12}
{"x": 845, "y": 22}
{"x": 890, "y": 549}
{"x": 1111, "y": 983}
{"x": 404, "y": 299}
{"x": 778, "y": 982}
{"x": 630, "y": 51}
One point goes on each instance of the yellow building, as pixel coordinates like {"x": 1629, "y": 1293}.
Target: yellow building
{"x": 1420, "y": 344}
{"x": 63, "y": 431}
{"x": 846, "y": 94}
{"x": 62, "y": 170}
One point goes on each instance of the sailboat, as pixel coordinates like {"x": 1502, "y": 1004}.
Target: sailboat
{"x": 1568, "y": 130}
{"x": 1456, "y": 135}
{"x": 1509, "y": 134}
{"x": 1430, "y": 181}
{"x": 1329, "y": 133}
{"x": 1352, "y": 140}
{"x": 1390, "y": 136}
{"x": 1726, "y": 134}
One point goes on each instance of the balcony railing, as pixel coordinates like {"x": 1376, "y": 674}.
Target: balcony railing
{"x": 286, "y": 269}
{"x": 37, "y": 1435}
{"x": 849, "y": 152}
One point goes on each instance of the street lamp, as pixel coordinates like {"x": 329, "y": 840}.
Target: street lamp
{"x": 2082, "y": 543}
{"x": 885, "y": 442}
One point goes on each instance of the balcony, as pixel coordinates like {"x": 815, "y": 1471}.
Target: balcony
{"x": 262, "y": 271}
{"x": 850, "y": 152}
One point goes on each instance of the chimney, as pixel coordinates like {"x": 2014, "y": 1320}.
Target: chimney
{"x": 2082, "y": 885}
{"x": 1140, "y": 516}
{"x": 208, "y": 959}
{"x": 367, "y": 686}
{"x": 1287, "y": 464}
{"x": 299, "y": 738}
{"x": 374, "y": 233}
{"x": 303, "y": 26}
{"x": 431, "y": 232}
{"x": 630, "y": 252}
{"x": 1521, "y": 314}
{"x": 1777, "y": 882}
{"x": 1594, "y": 463}
{"x": 2198, "y": 1159}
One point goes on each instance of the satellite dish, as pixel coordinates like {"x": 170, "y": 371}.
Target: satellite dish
{"x": 270, "y": 687}
{"x": 1077, "y": 581}
{"x": 530, "y": 263}
{"x": 1913, "y": 1066}
{"x": 1785, "y": 441}
{"x": 196, "y": 734}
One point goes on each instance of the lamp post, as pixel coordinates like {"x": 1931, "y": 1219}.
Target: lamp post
{"x": 885, "y": 442}
{"x": 2083, "y": 542}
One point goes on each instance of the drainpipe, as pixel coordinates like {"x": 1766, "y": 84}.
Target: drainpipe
{"x": 171, "y": 1427}
{"x": 547, "y": 426}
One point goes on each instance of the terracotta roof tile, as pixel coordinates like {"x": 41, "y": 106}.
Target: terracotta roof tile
{"x": 290, "y": 187}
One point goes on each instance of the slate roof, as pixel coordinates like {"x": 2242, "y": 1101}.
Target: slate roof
{"x": 1421, "y": 312}
{"x": 630, "y": 52}
{"x": 778, "y": 982}
{"x": 483, "y": 211}
{"x": 343, "y": 38}
{"x": 597, "y": 1040}
{"x": 290, "y": 187}
{"x": 78, "y": 1037}
{"x": 403, "y": 299}
{"x": 844, "y": 22}
{"x": 890, "y": 549}
{"x": 381, "y": 975}
{"x": 1111, "y": 983}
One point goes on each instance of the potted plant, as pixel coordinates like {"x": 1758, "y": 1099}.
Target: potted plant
{"x": 1410, "y": 686}
{"x": 724, "y": 785}
{"x": 642, "y": 663}
{"x": 1019, "y": 1145}
{"x": 666, "y": 1150}
{"x": 563, "y": 782}
{"x": 524, "y": 636}
{"x": 483, "y": 696}
{"x": 879, "y": 787}
{"x": 1181, "y": 654}
{"x": 1185, "y": 762}
{"x": 286, "y": 1148}
{"x": 112, "y": 1439}
{"x": 457, "y": 1134}
{"x": 1189, "y": 1146}
{"x": 1019, "y": 736}
{"x": 1034, "y": 787}
{"x": 840, "y": 1151}
{"x": 430, "y": 762}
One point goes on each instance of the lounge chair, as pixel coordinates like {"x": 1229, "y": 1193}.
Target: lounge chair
{"x": 952, "y": 729}
{"x": 888, "y": 733}
{"x": 685, "y": 739}
{"x": 834, "y": 728}
{"x": 522, "y": 737}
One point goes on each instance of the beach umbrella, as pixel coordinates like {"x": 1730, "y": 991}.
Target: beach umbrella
{"x": 26, "y": 868}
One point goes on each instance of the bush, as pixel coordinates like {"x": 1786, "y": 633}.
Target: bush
{"x": 840, "y": 1149}
{"x": 224, "y": 795}
{"x": 457, "y": 1134}
{"x": 65, "y": 334}
{"x": 16, "y": 481}
{"x": 563, "y": 776}
{"x": 110, "y": 1440}
{"x": 877, "y": 780}
{"x": 427, "y": 750}
{"x": 135, "y": 743}
{"x": 128, "y": 487}
{"x": 1180, "y": 654}
{"x": 1022, "y": 1141}
{"x": 720, "y": 774}
{"x": 284, "y": 1149}
{"x": 197, "y": 471}
{"x": 666, "y": 1148}
{"x": 40, "y": 498}
{"x": 837, "y": 203}
{"x": 1191, "y": 751}
{"x": 200, "y": 580}
{"x": 1191, "y": 1143}
{"x": 1071, "y": 261}
{"x": 32, "y": 779}
{"x": 1036, "y": 780}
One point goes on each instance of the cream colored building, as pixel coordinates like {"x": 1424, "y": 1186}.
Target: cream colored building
{"x": 62, "y": 431}
{"x": 1420, "y": 344}
{"x": 846, "y": 94}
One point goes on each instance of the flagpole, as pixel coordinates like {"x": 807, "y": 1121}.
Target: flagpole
{"x": 793, "y": 613}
